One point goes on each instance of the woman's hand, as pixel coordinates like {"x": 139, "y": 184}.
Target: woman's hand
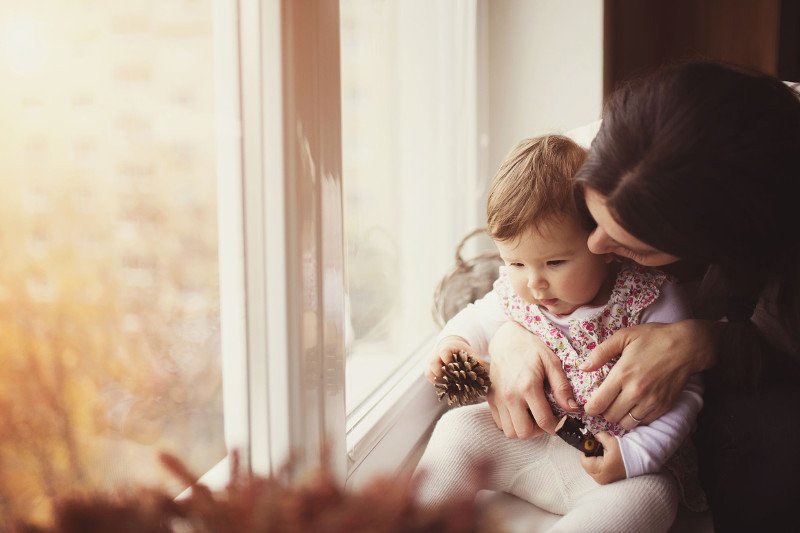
{"x": 609, "y": 467}
{"x": 521, "y": 364}
{"x": 656, "y": 362}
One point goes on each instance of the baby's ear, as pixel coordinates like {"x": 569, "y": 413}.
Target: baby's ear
{"x": 609, "y": 258}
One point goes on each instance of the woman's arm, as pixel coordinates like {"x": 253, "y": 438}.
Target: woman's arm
{"x": 521, "y": 365}
{"x": 656, "y": 361}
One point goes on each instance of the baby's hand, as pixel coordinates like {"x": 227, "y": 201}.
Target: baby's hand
{"x": 608, "y": 467}
{"x": 443, "y": 354}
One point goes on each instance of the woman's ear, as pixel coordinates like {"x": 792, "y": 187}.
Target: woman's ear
{"x": 609, "y": 258}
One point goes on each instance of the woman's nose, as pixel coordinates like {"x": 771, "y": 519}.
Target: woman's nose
{"x": 599, "y": 242}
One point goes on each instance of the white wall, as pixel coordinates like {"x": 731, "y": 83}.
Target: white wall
{"x": 545, "y": 69}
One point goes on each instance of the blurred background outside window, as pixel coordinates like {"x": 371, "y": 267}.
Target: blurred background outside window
{"x": 109, "y": 289}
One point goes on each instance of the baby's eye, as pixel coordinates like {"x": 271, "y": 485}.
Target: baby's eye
{"x": 518, "y": 265}
{"x": 556, "y": 262}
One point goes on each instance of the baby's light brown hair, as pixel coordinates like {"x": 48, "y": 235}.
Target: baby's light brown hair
{"x": 536, "y": 183}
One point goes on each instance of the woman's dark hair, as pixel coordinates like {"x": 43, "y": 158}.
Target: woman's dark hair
{"x": 701, "y": 160}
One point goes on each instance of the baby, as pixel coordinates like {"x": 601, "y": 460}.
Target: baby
{"x": 572, "y": 300}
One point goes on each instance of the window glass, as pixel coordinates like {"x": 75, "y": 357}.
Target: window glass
{"x": 109, "y": 289}
{"x": 403, "y": 118}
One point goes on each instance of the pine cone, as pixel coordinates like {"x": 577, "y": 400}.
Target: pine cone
{"x": 464, "y": 381}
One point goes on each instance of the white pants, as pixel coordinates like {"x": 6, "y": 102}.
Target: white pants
{"x": 545, "y": 471}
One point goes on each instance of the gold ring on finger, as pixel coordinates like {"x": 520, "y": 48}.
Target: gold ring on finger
{"x": 634, "y": 418}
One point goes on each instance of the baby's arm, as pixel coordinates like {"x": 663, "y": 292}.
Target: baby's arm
{"x": 471, "y": 329}
{"x": 646, "y": 448}
{"x": 477, "y": 323}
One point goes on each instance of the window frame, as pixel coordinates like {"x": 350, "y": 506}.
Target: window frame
{"x": 291, "y": 181}
{"x": 283, "y": 374}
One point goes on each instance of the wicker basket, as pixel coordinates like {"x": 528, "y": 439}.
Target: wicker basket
{"x": 467, "y": 282}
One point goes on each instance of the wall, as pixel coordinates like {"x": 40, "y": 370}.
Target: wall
{"x": 641, "y": 36}
{"x": 545, "y": 69}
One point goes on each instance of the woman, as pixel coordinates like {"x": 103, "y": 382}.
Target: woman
{"x": 697, "y": 164}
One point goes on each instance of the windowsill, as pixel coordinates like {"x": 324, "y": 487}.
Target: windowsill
{"x": 369, "y": 366}
{"x": 384, "y": 432}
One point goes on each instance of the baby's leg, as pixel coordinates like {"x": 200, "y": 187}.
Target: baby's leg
{"x": 560, "y": 485}
{"x": 468, "y": 452}
{"x": 644, "y": 503}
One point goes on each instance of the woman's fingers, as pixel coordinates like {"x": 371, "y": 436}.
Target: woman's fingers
{"x": 559, "y": 384}
{"x": 494, "y": 410}
{"x": 654, "y": 367}
{"x": 527, "y": 403}
{"x": 608, "y": 349}
{"x": 511, "y": 414}
{"x": 521, "y": 365}
{"x": 524, "y": 425}
{"x": 626, "y": 384}
{"x": 540, "y": 409}
{"x": 506, "y": 425}
{"x": 602, "y": 400}
{"x": 636, "y": 417}
{"x": 502, "y": 417}
{"x": 619, "y": 398}
{"x": 619, "y": 395}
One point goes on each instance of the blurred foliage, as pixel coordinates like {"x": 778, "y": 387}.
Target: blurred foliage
{"x": 109, "y": 351}
{"x": 257, "y": 504}
{"x": 109, "y": 292}
{"x": 96, "y": 372}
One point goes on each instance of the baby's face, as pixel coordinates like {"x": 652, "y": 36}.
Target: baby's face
{"x": 552, "y": 267}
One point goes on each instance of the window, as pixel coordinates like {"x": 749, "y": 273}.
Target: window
{"x": 411, "y": 191}
{"x": 109, "y": 283}
{"x": 212, "y": 211}
{"x": 328, "y": 140}
{"x": 404, "y": 171}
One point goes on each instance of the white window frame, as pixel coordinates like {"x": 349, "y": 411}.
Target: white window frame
{"x": 283, "y": 361}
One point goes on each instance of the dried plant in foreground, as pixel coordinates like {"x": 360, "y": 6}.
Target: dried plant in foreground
{"x": 251, "y": 504}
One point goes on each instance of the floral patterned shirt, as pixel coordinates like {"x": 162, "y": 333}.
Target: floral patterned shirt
{"x": 635, "y": 288}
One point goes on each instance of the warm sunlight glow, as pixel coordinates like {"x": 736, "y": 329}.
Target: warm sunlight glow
{"x": 22, "y": 44}
{"x": 109, "y": 279}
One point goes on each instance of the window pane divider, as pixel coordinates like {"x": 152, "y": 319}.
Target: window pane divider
{"x": 292, "y": 212}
